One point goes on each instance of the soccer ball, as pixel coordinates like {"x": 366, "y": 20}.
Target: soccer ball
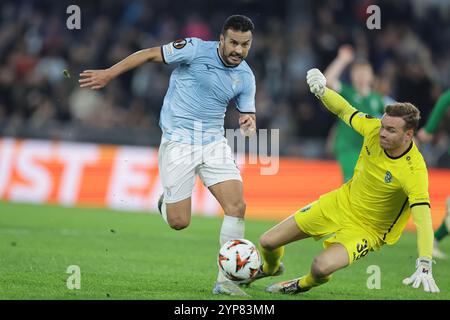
{"x": 239, "y": 260}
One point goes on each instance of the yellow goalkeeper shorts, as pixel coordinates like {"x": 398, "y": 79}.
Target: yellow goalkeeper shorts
{"x": 356, "y": 240}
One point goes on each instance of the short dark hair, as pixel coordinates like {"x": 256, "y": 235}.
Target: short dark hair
{"x": 238, "y": 22}
{"x": 407, "y": 111}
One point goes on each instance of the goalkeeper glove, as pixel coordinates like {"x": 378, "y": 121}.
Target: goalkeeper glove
{"x": 316, "y": 81}
{"x": 423, "y": 275}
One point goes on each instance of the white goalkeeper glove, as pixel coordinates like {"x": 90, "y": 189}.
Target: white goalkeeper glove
{"x": 316, "y": 81}
{"x": 423, "y": 275}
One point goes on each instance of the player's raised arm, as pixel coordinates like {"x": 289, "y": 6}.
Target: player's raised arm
{"x": 97, "y": 79}
{"x": 334, "y": 102}
{"x": 333, "y": 72}
{"x": 331, "y": 99}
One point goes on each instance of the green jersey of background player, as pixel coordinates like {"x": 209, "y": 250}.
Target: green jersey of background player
{"x": 347, "y": 142}
{"x": 425, "y": 135}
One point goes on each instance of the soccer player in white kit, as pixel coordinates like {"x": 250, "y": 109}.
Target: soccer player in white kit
{"x": 209, "y": 75}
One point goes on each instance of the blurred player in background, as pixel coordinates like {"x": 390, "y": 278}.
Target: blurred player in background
{"x": 208, "y": 76}
{"x": 345, "y": 141}
{"x": 425, "y": 135}
{"x": 390, "y": 184}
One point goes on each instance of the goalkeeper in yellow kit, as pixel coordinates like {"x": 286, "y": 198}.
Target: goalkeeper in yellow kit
{"x": 390, "y": 182}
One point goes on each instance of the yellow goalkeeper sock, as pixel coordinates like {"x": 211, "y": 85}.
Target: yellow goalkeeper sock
{"x": 307, "y": 282}
{"x": 272, "y": 259}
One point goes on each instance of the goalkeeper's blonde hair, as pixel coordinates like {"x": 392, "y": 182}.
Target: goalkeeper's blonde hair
{"x": 407, "y": 111}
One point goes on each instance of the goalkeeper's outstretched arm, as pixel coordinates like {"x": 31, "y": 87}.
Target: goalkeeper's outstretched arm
{"x": 422, "y": 219}
{"x": 332, "y": 100}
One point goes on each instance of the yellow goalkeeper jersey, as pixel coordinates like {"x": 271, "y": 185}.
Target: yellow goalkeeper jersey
{"x": 383, "y": 189}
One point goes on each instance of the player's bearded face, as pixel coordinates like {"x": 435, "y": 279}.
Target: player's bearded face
{"x": 393, "y": 134}
{"x": 234, "y": 46}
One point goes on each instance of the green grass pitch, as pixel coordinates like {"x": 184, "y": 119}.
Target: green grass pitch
{"x": 136, "y": 256}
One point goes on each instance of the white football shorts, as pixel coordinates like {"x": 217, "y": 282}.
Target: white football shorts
{"x": 179, "y": 163}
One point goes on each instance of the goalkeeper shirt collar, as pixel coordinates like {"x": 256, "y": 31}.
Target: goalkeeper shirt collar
{"x": 398, "y": 157}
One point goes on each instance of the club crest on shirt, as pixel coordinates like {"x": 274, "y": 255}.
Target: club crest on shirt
{"x": 179, "y": 44}
{"x": 388, "y": 177}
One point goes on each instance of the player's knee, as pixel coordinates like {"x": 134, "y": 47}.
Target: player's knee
{"x": 267, "y": 243}
{"x": 235, "y": 209}
{"x": 321, "y": 267}
{"x": 178, "y": 223}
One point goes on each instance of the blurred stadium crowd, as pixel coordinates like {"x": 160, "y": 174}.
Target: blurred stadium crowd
{"x": 410, "y": 55}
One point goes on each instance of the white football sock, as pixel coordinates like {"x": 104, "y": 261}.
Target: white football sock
{"x": 232, "y": 228}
